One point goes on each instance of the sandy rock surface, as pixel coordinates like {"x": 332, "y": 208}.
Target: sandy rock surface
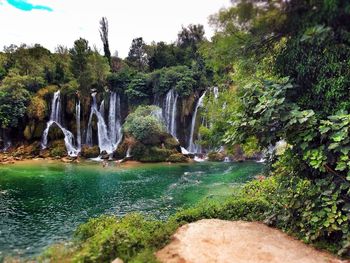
{"x": 211, "y": 241}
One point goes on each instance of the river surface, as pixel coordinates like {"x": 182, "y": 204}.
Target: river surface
{"x": 42, "y": 203}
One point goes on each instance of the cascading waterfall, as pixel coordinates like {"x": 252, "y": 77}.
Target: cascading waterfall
{"x": 6, "y": 142}
{"x": 170, "y": 112}
{"x": 55, "y": 118}
{"x": 194, "y": 148}
{"x": 102, "y": 133}
{"x": 102, "y": 109}
{"x": 77, "y": 116}
{"x": 114, "y": 120}
{"x": 216, "y": 92}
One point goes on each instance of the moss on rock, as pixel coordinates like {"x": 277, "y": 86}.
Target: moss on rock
{"x": 90, "y": 151}
{"x": 216, "y": 157}
{"x": 177, "y": 158}
{"x": 58, "y": 149}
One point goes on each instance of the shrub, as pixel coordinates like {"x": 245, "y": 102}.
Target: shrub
{"x": 143, "y": 123}
{"x": 37, "y": 108}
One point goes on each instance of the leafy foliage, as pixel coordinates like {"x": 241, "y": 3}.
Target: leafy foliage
{"x": 144, "y": 123}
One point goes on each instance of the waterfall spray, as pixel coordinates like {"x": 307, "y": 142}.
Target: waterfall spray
{"x": 170, "y": 112}
{"x": 55, "y": 118}
{"x": 103, "y": 140}
{"x": 114, "y": 120}
{"x": 194, "y": 148}
{"x": 77, "y": 116}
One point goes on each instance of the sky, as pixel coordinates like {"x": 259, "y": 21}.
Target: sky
{"x": 61, "y": 22}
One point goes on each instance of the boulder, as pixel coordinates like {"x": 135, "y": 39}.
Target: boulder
{"x": 90, "y": 151}
{"x": 216, "y": 157}
{"x": 177, "y": 158}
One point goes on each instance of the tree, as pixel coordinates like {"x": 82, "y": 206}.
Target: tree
{"x": 80, "y": 54}
{"x": 161, "y": 55}
{"x": 97, "y": 70}
{"x": 139, "y": 89}
{"x": 190, "y": 36}
{"x": 104, "y": 38}
{"x": 13, "y": 100}
{"x": 137, "y": 56}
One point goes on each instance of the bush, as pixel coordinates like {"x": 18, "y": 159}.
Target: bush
{"x": 37, "y": 108}
{"x": 144, "y": 123}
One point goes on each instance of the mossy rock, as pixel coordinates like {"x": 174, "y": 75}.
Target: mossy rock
{"x": 90, "y": 151}
{"x": 171, "y": 143}
{"x": 55, "y": 133}
{"x": 177, "y": 158}
{"x": 39, "y": 130}
{"x": 216, "y": 157}
{"x": 18, "y": 151}
{"x": 33, "y": 149}
{"x": 27, "y": 133}
{"x": 153, "y": 139}
{"x": 120, "y": 152}
{"x": 70, "y": 106}
{"x": 238, "y": 154}
{"x": 139, "y": 151}
{"x": 58, "y": 149}
{"x": 156, "y": 154}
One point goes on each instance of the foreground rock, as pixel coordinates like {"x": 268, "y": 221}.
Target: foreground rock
{"x": 210, "y": 241}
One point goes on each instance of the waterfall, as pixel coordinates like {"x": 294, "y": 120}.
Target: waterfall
{"x": 194, "y": 148}
{"x": 77, "y": 117}
{"x": 102, "y": 109}
{"x": 128, "y": 152}
{"x": 103, "y": 140}
{"x": 6, "y": 142}
{"x": 56, "y": 107}
{"x": 216, "y": 92}
{"x": 55, "y": 118}
{"x": 114, "y": 120}
{"x": 170, "y": 112}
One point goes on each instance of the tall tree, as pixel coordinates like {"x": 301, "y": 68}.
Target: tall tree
{"x": 190, "y": 36}
{"x": 104, "y": 38}
{"x": 80, "y": 54}
{"x": 137, "y": 56}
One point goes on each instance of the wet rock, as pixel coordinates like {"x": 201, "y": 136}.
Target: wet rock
{"x": 104, "y": 155}
{"x": 216, "y": 157}
{"x": 90, "y": 151}
{"x": 177, "y": 158}
{"x": 58, "y": 149}
{"x": 67, "y": 160}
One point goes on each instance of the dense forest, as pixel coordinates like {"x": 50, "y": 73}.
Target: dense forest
{"x": 274, "y": 73}
{"x": 171, "y": 76}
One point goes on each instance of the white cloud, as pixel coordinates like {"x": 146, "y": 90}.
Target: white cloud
{"x": 152, "y": 19}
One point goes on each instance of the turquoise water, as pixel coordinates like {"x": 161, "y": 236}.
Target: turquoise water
{"x": 43, "y": 203}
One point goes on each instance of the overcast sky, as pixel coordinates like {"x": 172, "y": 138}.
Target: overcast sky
{"x": 54, "y": 22}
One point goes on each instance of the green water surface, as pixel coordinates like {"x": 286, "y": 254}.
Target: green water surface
{"x": 42, "y": 203}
